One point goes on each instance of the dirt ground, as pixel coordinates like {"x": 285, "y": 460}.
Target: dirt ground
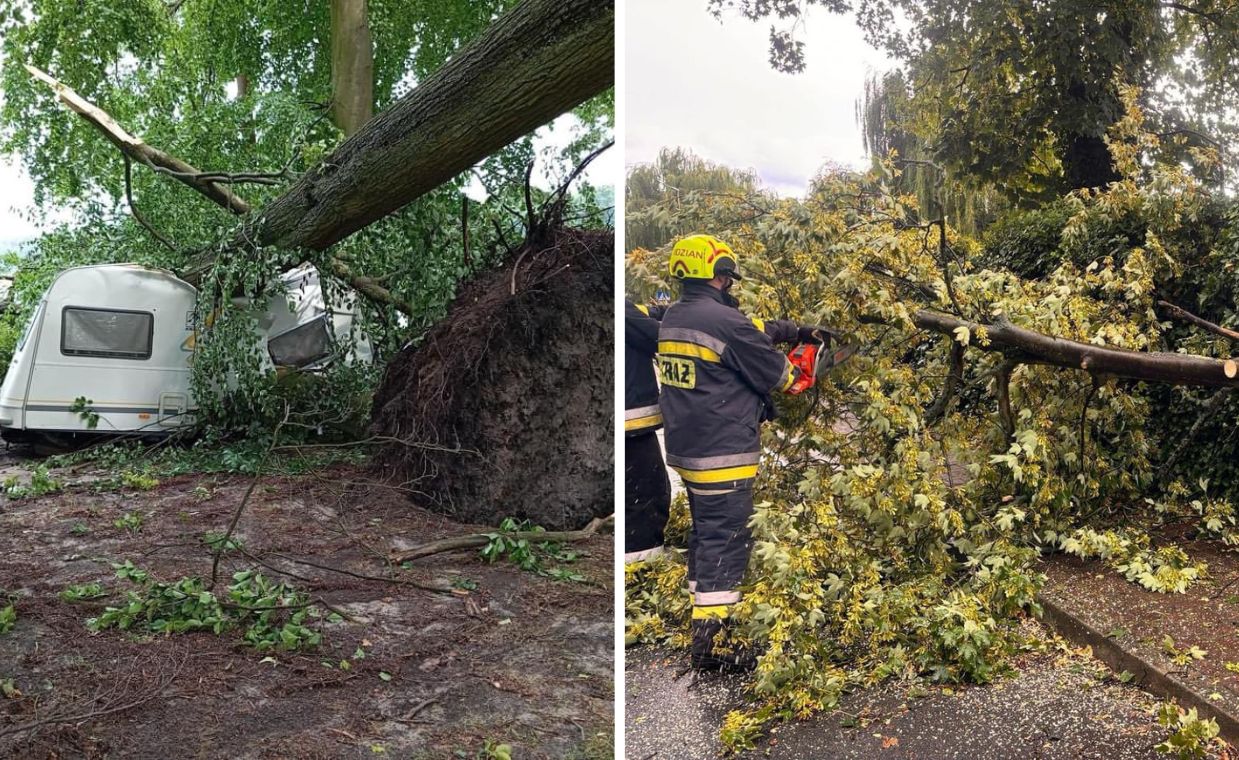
{"x": 521, "y": 659}
{"x": 1060, "y": 703}
{"x": 1205, "y": 616}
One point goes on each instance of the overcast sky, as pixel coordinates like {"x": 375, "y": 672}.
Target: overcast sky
{"x": 696, "y": 83}
{"x": 15, "y": 199}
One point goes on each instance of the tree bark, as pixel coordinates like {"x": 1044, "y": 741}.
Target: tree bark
{"x": 352, "y": 66}
{"x": 1029, "y": 346}
{"x": 539, "y": 60}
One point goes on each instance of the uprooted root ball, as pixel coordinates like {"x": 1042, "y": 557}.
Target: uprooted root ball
{"x": 505, "y": 409}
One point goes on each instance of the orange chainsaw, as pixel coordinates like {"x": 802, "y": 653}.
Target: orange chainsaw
{"x": 815, "y": 359}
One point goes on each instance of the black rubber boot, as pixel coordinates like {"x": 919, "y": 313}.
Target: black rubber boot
{"x": 711, "y": 651}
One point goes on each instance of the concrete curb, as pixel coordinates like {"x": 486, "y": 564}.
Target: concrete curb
{"x": 1150, "y": 676}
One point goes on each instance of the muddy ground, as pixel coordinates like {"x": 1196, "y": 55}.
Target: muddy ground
{"x": 520, "y": 659}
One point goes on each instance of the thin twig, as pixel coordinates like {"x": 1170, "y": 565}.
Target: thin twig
{"x": 236, "y": 515}
{"x": 133, "y": 208}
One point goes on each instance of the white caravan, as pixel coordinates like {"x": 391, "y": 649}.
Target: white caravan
{"x": 121, "y": 336}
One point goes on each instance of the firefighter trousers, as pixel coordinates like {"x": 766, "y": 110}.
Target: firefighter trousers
{"x": 719, "y": 546}
{"x": 647, "y": 497}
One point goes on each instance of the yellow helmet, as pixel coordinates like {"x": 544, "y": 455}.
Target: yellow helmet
{"x": 703, "y": 257}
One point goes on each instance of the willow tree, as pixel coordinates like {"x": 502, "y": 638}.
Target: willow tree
{"x": 987, "y": 418}
{"x": 1022, "y": 94}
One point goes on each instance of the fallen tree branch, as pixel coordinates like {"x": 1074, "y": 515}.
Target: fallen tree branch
{"x": 1178, "y": 312}
{"x": 79, "y": 718}
{"x": 208, "y": 184}
{"x": 1088, "y": 399}
{"x": 133, "y": 208}
{"x": 1003, "y": 383}
{"x": 1211, "y": 406}
{"x": 954, "y": 378}
{"x": 363, "y": 576}
{"x": 139, "y": 151}
{"x": 1030, "y": 346}
{"x": 369, "y": 287}
{"x": 236, "y": 514}
{"x": 475, "y": 540}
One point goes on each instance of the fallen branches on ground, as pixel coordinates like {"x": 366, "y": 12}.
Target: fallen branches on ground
{"x": 476, "y": 540}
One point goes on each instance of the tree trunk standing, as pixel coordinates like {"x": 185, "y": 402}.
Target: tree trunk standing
{"x": 243, "y": 91}
{"x": 352, "y": 66}
{"x": 542, "y": 58}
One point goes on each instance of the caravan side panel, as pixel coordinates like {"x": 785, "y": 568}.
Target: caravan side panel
{"x": 119, "y": 336}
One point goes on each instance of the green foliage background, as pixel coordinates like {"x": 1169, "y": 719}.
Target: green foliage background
{"x": 168, "y": 73}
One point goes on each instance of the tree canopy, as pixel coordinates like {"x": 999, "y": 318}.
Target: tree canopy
{"x": 1021, "y": 95}
{"x": 245, "y": 90}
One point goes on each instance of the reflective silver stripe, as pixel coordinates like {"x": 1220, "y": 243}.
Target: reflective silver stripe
{"x": 785, "y": 379}
{"x": 692, "y": 586}
{"x": 707, "y": 598}
{"x": 703, "y": 492}
{"x": 693, "y": 336}
{"x": 631, "y": 557}
{"x": 714, "y": 463}
{"x": 641, "y": 411}
{"x": 93, "y": 408}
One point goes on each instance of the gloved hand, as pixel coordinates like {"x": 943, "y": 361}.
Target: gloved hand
{"x": 813, "y": 334}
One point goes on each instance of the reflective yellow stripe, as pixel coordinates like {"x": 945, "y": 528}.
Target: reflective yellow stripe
{"x": 643, "y": 309}
{"x": 721, "y": 475}
{"x": 791, "y": 375}
{"x": 681, "y": 348}
{"x": 713, "y": 612}
{"x": 760, "y": 324}
{"x": 643, "y": 422}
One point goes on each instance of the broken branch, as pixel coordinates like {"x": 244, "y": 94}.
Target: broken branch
{"x": 1033, "y": 346}
{"x": 475, "y": 540}
{"x": 1178, "y": 312}
{"x": 139, "y": 151}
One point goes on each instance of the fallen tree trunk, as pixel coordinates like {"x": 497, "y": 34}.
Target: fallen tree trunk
{"x": 1030, "y": 346}
{"x": 538, "y": 61}
{"x": 534, "y": 63}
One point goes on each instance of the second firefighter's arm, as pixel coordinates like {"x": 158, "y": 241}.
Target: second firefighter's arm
{"x": 640, "y": 328}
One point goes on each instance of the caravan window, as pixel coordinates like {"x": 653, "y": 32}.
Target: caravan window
{"x": 112, "y": 333}
{"x": 302, "y": 345}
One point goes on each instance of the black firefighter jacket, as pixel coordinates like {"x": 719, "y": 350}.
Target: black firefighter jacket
{"x": 641, "y": 412}
{"x": 718, "y": 369}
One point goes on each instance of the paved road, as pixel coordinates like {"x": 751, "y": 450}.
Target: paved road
{"x": 1054, "y": 706}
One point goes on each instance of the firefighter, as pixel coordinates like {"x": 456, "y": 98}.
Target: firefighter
{"x": 647, "y": 490}
{"x": 718, "y": 369}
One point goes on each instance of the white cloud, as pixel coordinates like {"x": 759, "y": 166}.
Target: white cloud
{"x": 696, "y": 83}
